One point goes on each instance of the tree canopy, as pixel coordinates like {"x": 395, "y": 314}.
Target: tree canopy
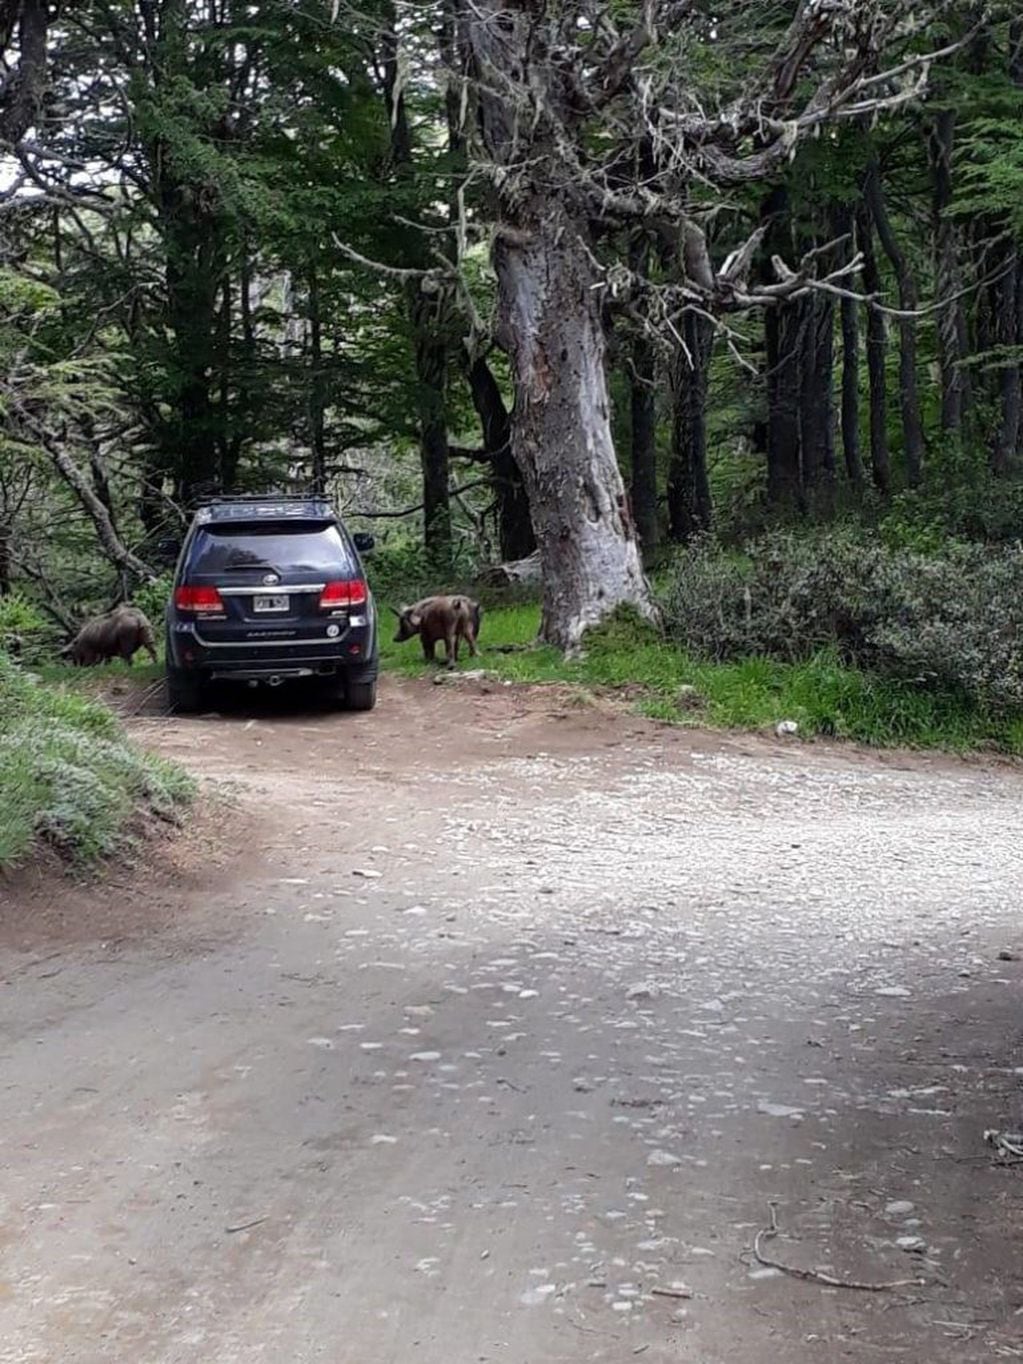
{"x": 606, "y": 277}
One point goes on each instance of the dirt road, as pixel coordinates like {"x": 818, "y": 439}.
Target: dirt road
{"x": 501, "y": 1039}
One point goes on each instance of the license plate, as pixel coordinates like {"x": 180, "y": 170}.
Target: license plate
{"x": 278, "y": 603}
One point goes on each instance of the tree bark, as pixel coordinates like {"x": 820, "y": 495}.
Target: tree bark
{"x": 6, "y": 539}
{"x": 909, "y": 396}
{"x": 109, "y": 540}
{"x": 783, "y": 328}
{"x": 877, "y": 345}
{"x": 1008, "y": 441}
{"x": 224, "y": 433}
{"x": 690, "y": 509}
{"x": 643, "y": 420}
{"x": 643, "y": 413}
{"x": 21, "y": 98}
{"x": 550, "y": 325}
{"x": 431, "y": 359}
{"x": 844, "y": 226}
{"x": 561, "y": 431}
{"x": 1007, "y": 338}
{"x": 514, "y": 524}
{"x": 244, "y": 376}
{"x": 953, "y": 341}
{"x": 428, "y": 318}
{"x": 817, "y": 408}
{"x": 316, "y": 397}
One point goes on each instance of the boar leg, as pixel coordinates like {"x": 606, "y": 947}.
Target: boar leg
{"x": 429, "y": 648}
{"x": 451, "y": 645}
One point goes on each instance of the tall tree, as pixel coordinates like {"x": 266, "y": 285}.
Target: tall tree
{"x": 909, "y": 396}
{"x": 559, "y": 115}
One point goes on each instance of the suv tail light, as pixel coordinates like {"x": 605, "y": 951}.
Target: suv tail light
{"x": 351, "y": 592}
{"x": 198, "y": 599}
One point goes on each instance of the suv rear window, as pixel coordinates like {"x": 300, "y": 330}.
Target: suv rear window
{"x": 284, "y": 549}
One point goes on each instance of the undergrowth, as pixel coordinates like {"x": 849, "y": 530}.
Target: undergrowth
{"x": 824, "y": 696}
{"x": 69, "y": 776}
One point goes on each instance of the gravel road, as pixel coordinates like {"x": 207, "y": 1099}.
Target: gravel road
{"x": 497, "y": 1029}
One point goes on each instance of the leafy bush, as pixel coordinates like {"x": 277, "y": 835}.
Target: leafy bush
{"x": 69, "y": 774}
{"x": 951, "y": 621}
{"x": 152, "y": 598}
{"x": 401, "y": 568}
{"x": 24, "y": 630}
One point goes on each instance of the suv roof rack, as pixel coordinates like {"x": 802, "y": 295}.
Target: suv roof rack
{"x": 268, "y": 506}
{"x": 232, "y": 498}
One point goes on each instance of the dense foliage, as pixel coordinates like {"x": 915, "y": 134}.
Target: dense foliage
{"x": 248, "y": 245}
{"x": 952, "y": 621}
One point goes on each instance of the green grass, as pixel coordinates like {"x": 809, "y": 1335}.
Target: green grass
{"x": 822, "y": 695}
{"x": 69, "y": 775}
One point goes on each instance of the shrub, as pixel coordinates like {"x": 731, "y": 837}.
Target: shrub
{"x": 401, "y": 569}
{"x": 951, "y": 620}
{"x": 24, "y": 630}
{"x": 152, "y": 598}
{"x": 70, "y": 775}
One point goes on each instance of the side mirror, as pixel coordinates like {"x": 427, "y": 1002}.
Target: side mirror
{"x": 167, "y": 551}
{"x": 363, "y": 542}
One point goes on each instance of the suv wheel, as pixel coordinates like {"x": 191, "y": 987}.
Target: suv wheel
{"x": 185, "y": 695}
{"x": 360, "y": 696}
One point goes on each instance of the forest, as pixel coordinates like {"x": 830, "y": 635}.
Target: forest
{"x": 718, "y": 310}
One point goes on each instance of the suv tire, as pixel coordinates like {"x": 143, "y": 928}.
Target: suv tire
{"x": 185, "y": 695}
{"x": 360, "y": 695}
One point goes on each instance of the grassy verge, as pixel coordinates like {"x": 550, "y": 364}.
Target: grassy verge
{"x": 824, "y": 697}
{"x": 821, "y": 695}
{"x": 69, "y": 775}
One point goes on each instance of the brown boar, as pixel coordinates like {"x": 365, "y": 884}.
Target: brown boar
{"x": 119, "y": 634}
{"x": 433, "y": 619}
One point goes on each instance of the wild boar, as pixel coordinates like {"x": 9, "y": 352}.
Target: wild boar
{"x": 450, "y": 619}
{"x": 119, "y": 634}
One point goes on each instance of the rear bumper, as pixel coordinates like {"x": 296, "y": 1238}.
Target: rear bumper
{"x": 353, "y": 657}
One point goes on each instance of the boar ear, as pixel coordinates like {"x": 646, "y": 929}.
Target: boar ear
{"x": 395, "y": 610}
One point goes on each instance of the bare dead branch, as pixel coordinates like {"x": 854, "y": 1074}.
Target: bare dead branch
{"x": 411, "y": 511}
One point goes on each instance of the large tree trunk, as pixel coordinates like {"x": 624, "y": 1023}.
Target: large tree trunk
{"x": 690, "y": 510}
{"x": 561, "y": 431}
{"x": 909, "y": 396}
{"x": 514, "y": 525}
{"x": 877, "y": 345}
{"x": 551, "y": 327}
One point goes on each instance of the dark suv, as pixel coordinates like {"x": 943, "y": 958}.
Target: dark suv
{"x": 267, "y": 590}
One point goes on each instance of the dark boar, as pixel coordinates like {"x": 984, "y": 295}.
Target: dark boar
{"x": 433, "y": 619}
{"x": 119, "y": 634}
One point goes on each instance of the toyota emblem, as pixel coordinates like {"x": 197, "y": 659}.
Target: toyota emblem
{"x": 270, "y": 578}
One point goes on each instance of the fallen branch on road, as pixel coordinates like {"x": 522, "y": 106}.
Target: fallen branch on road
{"x": 818, "y": 1275}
